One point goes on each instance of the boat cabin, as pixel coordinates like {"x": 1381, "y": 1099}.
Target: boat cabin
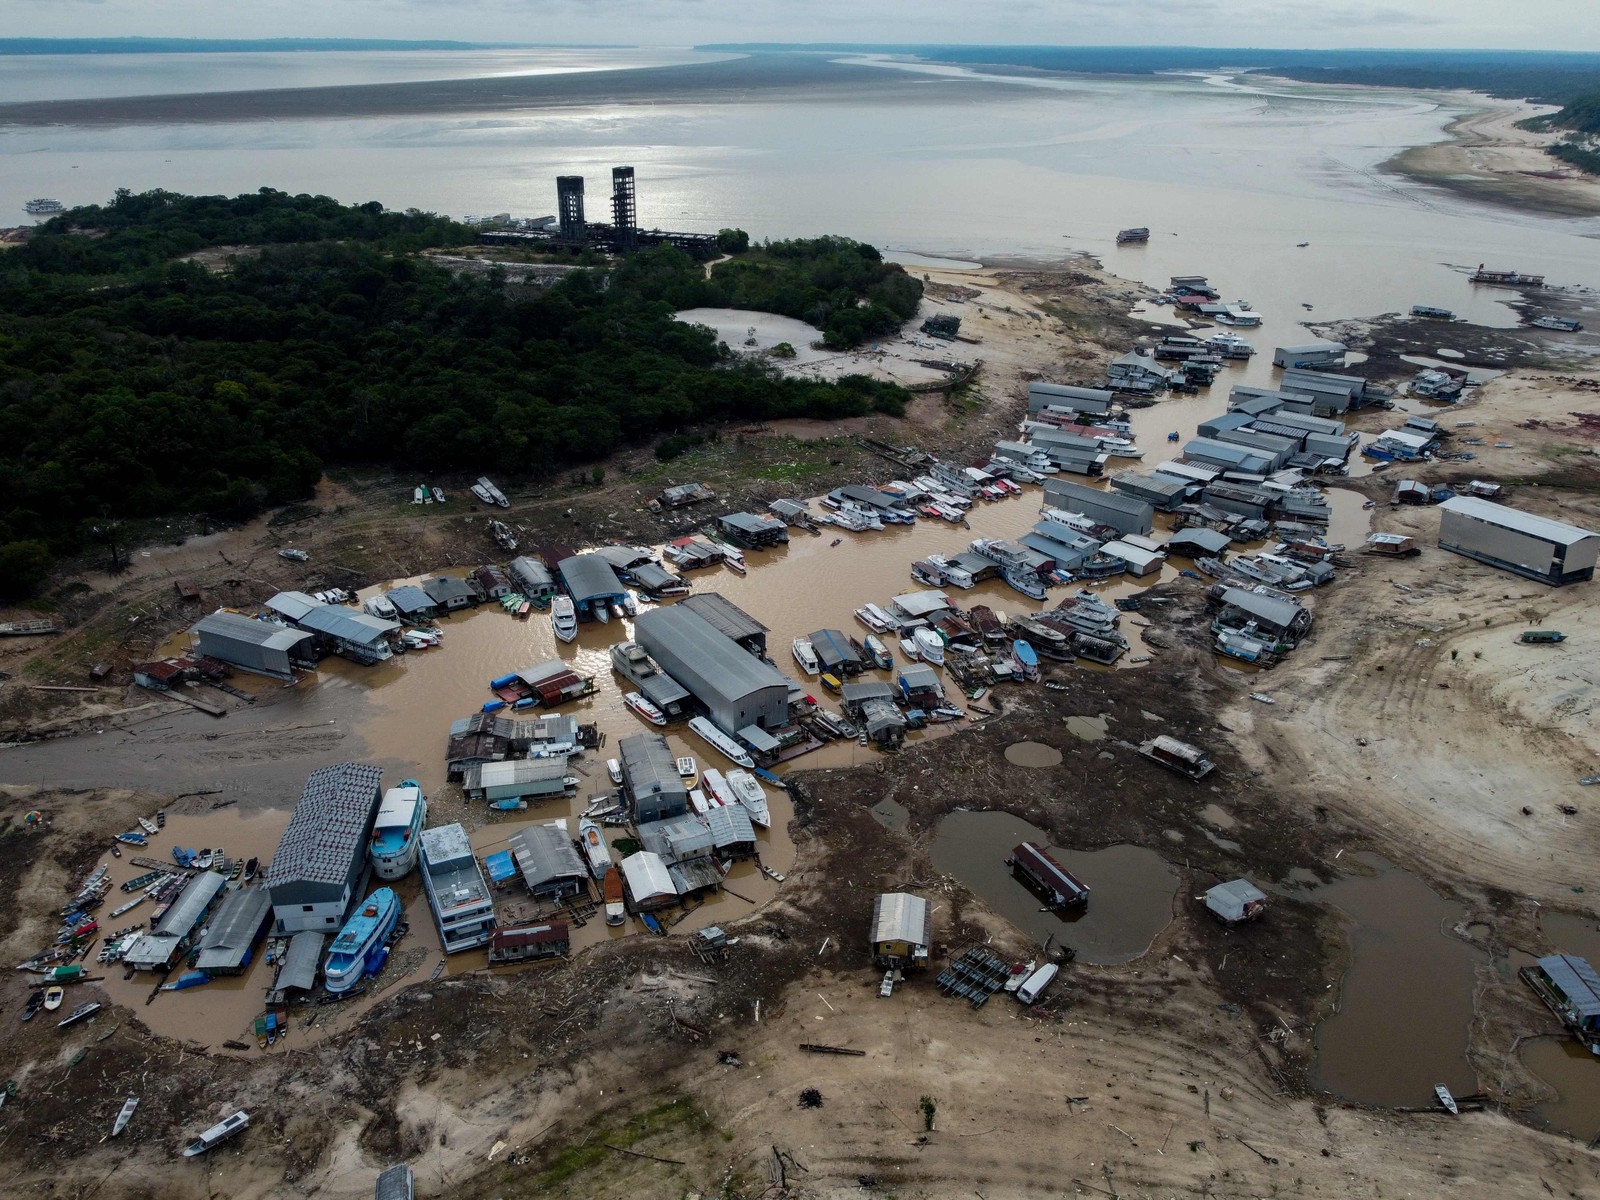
{"x": 1236, "y": 901}
{"x": 529, "y": 943}
{"x": 1034, "y": 865}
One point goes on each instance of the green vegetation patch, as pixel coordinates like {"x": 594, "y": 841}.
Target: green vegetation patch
{"x": 672, "y": 1116}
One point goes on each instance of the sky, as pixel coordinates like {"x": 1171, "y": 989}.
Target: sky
{"x": 1408, "y": 24}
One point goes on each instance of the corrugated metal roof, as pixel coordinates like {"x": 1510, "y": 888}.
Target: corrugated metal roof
{"x": 728, "y": 669}
{"x": 522, "y": 772}
{"x": 1035, "y": 860}
{"x": 746, "y": 522}
{"x": 1203, "y": 541}
{"x": 329, "y": 828}
{"x": 622, "y": 558}
{"x": 1558, "y": 532}
{"x": 530, "y": 573}
{"x": 191, "y": 904}
{"x": 589, "y": 577}
{"x": 348, "y": 625}
{"x": 1062, "y": 493}
{"x": 239, "y": 628}
{"x": 855, "y": 693}
{"x": 647, "y": 877}
{"x": 653, "y": 578}
{"x": 648, "y": 765}
{"x": 299, "y": 968}
{"x": 723, "y": 615}
{"x": 901, "y": 917}
{"x": 1577, "y": 981}
{"x": 677, "y": 840}
{"x": 293, "y": 605}
{"x": 832, "y": 647}
{"x": 395, "y": 1183}
{"x": 730, "y": 826}
{"x": 545, "y": 855}
{"x": 233, "y": 930}
{"x": 1269, "y": 608}
{"x": 444, "y": 588}
{"x": 409, "y": 599}
{"x": 1167, "y": 486}
{"x": 924, "y": 603}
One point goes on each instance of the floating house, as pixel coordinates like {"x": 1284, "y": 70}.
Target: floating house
{"x": 647, "y": 883}
{"x": 650, "y": 778}
{"x": 835, "y": 653}
{"x": 629, "y": 660}
{"x": 728, "y": 619}
{"x": 335, "y": 628}
{"x": 1310, "y": 354}
{"x": 412, "y": 603}
{"x": 322, "y": 856}
{"x": 1091, "y": 401}
{"x": 1198, "y": 543}
{"x": 518, "y": 781}
{"x": 231, "y": 938}
{"x": 1571, "y": 988}
{"x": 902, "y": 930}
{"x": 450, "y": 593}
{"x": 1262, "y": 614}
{"x": 1188, "y": 761}
{"x": 550, "y": 864}
{"x": 260, "y": 647}
{"x": 737, "y": 690}
{"x": 591, "y": 582}
{"x": 1162, "y": 492}
{"x": 1035, "y": 866}
{"x": 871, "y": 705}
{"x": 172, "y": 936}
{"x": 753, "y": 530}
{"x": 491, "y": 581}
{"x": 529, "y": 943}
{"x": 733, "y": 834}
{"x": 1236, "y": 901}
{"x": 458, "y": 895}
{"x": 1538, "y": 548}
{"x": 299, "y": 967}
{"x": 531, "y": 578}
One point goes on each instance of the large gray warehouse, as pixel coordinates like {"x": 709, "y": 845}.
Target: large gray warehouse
{"x": 1123, "y": 513}
{"x": 1552, "y": 552}
{"x": 323, "y": 853}
{"x": 736, "y": 688}
{"x": 259, "y": 646}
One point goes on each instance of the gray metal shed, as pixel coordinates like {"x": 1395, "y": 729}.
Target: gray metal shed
{"x": 589, "y": 580}
{"x": 728, "y": 619}
{"x": 1163, "y": 493}
{"x": 411, "y": 601}
{"x": 322, "y": 854}
{"x": 231, "y": 937}
{"x": 299, "y": 969}
{"x": 650, "y": 775}
{"x": 531, "y": 577}
{"x": 736, "y": 688}
{"x": 1198, "y": 543}
{"x": 1059, "y": 395}
{"x": 450, "y": 592}
{"x": 550, "y": 864}
{"x": 1125, "y": 514}
{"x": 261, "y": 647}
{"x": 1552, "y": 552}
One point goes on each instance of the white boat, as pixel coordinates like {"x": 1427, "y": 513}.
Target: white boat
{"x": 203, "y": 863}
{"x": 217, "y": 1134}
{"x": 564, "y": 618}
{"x": 397, "y": 830}
{"x": 717, "y": 792}
{"x": 910, "y": 649}
{"x": 126, "y": 1115}
{"x": 930, "y": 644}
{"x": 747, "y": 788}
{"x": 953, "y": 574}
{"x": 733, "y": 559}
{"x": 486, "y": 491}
{"x": 699, "y": 802}
{"x": 877, "y": 619}
{"x": 602, "y": 612}
{"x": 420, "y": 639}
{"x": 380, "y": 607}
{"x": 1034, "y": 986}
{"x": 1019, "y": 975}
{"x": 644, "y": 708}
{"x": 721, "y": 742}
{"x": 149, "y": 826}
{"x": 482, "y": 493}
{"x": 806, "y": 655}
{"x": 594, "y": 847}
{"x": 1446, "y": 1100}
{"x": 43, "y": 206}
{"x": 687, "y": 771}
{"x": 614, "y": 769}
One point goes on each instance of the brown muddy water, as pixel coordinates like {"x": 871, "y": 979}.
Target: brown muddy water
{"x": 1132, "y": 889}
{"x": 1033, "y": 754}
{"x": 1562, "y": 1062}
{"x": 1405, "y": 1003}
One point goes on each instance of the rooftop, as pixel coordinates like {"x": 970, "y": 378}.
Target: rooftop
{"x": 545, "y": 855}
{"x": 248, "y": 629}
{"x": 1543, "y": 528}
{"x": 329, "y": 828}
{"x": 647, "y": 877}
{"x": 234, "y": 928}
{"x": 901, "y": 917}
{"x": 589, "y": 577}
{"x": 695, "y": 640}
{"x": 723, "y": 615}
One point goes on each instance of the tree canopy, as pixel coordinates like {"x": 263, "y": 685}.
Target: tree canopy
{"x": 136, "y": 384}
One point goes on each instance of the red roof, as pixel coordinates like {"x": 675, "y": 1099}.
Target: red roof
{"x": 1035, "y": 860}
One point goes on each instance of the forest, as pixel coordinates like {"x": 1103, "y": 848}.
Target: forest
{"x": 137, "y": 384}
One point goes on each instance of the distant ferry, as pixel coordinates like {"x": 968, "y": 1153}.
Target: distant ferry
{"x": 360, "y": 940}
{"x": 44, "y": 207}
{"x": 395, "y": 840}
{"x": 1139, "y": 234}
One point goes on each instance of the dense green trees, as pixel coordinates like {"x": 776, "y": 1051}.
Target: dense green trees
{"x": 133, "y": 385}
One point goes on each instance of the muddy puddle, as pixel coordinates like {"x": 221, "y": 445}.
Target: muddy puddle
{"x": 1405, "y": 1003}
{"x": 1087, "y": 729}
{"x": 1131, "y": 888}
{"x": 1033, "y": 754}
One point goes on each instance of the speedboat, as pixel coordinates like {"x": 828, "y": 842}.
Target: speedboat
{"x": 217, "y": 1134}
{"x": 644, "y": 708}
{"x": 749, "y": 792}
{"x": 53, "y": 997}
{"x": 594, "y": 848}
{"x": 602, "y": 612}
{"x": 564, "y": 618}
{"x": 806, "y": 655}
{"x": 614, "y": 769}
{"x": 930, "y": 644}
{"x": 721, "y": 742}
{"x": 396, "y": 832}
{"x": 360, "y": 940}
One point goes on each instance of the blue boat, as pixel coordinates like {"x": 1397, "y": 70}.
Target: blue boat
{"x": 361, "y": 938}
{"x": 188, "y": 979}
{"x": 182, "y": 856}
{"x": 767, "y": 776}
{"x": 493, "y": 706}
{"x": 397, "y": 830}
{"x": 1027, "y": 658}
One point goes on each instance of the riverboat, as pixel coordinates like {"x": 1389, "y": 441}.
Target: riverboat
{"x": 396, "y": 831}
{"x": 721, "y": 742}
{"x": 360, "y": 940}
{"x": 217, "y": 1134}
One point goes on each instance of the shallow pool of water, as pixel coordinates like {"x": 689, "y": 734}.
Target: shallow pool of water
{"x": 1405, "y": 1004}
{"x": 1087, "y": 729}
{"x": 1131, "y": 888}
{"x": 1033, "y": 754}
{"x": 1575, "y": 1074}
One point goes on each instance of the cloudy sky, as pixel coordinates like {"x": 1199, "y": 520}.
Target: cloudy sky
{"x": 1527, "y": 24}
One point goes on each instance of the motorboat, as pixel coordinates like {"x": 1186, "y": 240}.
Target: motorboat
{"x": 930, "y": 644}
{"x": 125, "y": 1115}
{"x": 204, "y": 859}
{"x": 380, "y": 607}
{"x": 396, "y": 831}
{"x": 749, "y": 792}
{"x": 611, "y": 890}
{"x": 1025, "y": 583}
{"x": 717, "y": 792}
{"x": 614, "y": 769}
{"x": 564, "y": 618}
{"x": 53, "y": 997}
{"x": 881, "y": 658}
{"x": 217, "y": 1134}
{"x": 82, "y": 1013}
{"x": 910, "y": 649}
{"x": 420, "y": 639}
{"x": 146, "y": 824}
{"x": 877, "y": 618}
{"x": 359, "y": 942}
{"x": 733, "y": 559}
{"x": 644, "y": 708}
{"x": 687, "y": 771}
{"x": 601, "y": 612}
{"x": 806, "y": 655}
{"x": 721, "y": 742}
{"x": 594, "y": 847}
{"x": 699, "y": 802}
{"x": 1036, "y": 984}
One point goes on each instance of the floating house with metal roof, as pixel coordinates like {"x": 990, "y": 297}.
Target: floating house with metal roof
{"x": 1095, "y": 401}
{"x": 647, "y": 883}
{"x": 172, "y": 936}
{"x": 1061, "y": 888}
{"x": 1162, "y": 492}
{"x": 412, "y": 603}
{"x": 231, "y": 938}
{"x": 1571, "y": 989}
{"x": 450, "y": 593}
{"x": 753, "y": 531}
{"x": 835, "y": 653}
{"x": 322, "y": 855}
{"x": 737, "y": 689}
{"x": 550, "y": 864}
{"x": 1125, "y": 514}
{"x": 458, "y": 895}
{"x": 590, "y": 581}
{"x": 531, "y": 578}
{"x": 728, "y": 619}
{"x": 650, "y": 778}
{"x": 1538, "y": 548}
{"x": 529, "y": 943}
{"x": 902, "y": 930}
{"x": 1265, "y": 614}
{"x": 260, "y": 647}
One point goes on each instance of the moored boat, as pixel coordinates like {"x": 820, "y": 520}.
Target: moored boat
{"x": 149, "y": 826}
{"x": 564, "y": 618}
{"x": 82, "y": 1013}
{"x": 360, "y": 940}
{"x": 250, "y": 869}
{"x": 35, "y": 1003}
{"x": 396, "y": 831}
{"x": 611, "y": 890}
{"x": 747, "y": 789}
{"x": 53, "y": 997}
{"x": 930, "y": 644}
{"x": 1446, "y": 1100}
{"x": 594, "y": 848}
{"x": 806, "y": 655}
{"x": 1026, "y": 659}
{"x": 637, "y": 702}
{"x": 881, "y": 658}
{"x": 721, "y": 742}
{"x": 133, "y": 838}
{"x": 910, "y": 649}
{"x": 217, "y": 1134}
{"x": 687, "y": 771}
{"x": 717, "y": 792}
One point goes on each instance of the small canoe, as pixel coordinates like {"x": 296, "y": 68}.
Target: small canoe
{"x": 149, "y": 826}
{"x": 126, "y": 1115}
{"x": 1446, "y": 1099}
{"x": 35, "y": 1003}
{"x": 250, "y": 869}
{"x": 53, "y": 997}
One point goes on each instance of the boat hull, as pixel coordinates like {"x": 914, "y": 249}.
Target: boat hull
{"x": 346, "y": 966}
